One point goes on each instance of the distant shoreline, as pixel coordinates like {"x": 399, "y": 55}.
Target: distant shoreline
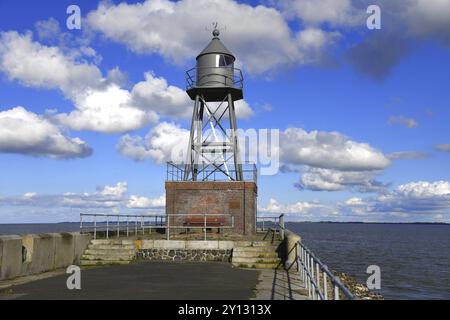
{"x": 361, "y": 222}
{"x": 335, "y": 222}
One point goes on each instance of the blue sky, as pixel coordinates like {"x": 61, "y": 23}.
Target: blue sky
{"x": 375, "y": 100}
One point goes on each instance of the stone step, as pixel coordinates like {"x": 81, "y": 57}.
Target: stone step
{"x": 119, "y": 252}
{"x": 255, "y": 260}
{"x": 256, "y": 249}
{"x": 111, "y": 246}
{"x": 257, "y": 265}
{"x": 113, "y": 242}
{"x": 255, "y": 254}
{"x": 107, "y": 257}
{"x": 257, "y": 243}
{"x": 102, "y": 262}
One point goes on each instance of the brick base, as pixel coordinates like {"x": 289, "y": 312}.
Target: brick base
{"x": 236, "y": 198}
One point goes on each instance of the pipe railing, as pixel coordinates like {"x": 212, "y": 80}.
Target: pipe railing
{"x": 318, "y": 280}
{"x": 266, "y": 221}
{"x": 117, "y": 224}
{"x": 214, "y": 76}
{"x": 316, "y": 276}
{"x": 207, "y": 172}
{"x": 206, "y": 224}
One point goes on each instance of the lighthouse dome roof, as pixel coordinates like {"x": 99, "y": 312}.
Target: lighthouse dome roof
{"x": 215, "y": 47}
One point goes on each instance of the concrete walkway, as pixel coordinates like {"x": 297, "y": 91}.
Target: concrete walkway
{"x": 146, "y": 280}
{"x": 161, "y": 280}
{"x": 279, "y": 284}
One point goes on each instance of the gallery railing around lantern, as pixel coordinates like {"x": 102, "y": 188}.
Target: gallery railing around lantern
{"x": 214, "y": 77}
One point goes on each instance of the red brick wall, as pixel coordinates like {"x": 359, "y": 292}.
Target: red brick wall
{"x": 236, "y": 198}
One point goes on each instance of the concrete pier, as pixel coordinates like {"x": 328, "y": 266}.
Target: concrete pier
{"x": 145, "y": 280}
{"x": 161, "y": 281}
{"x": 263, "y": 268}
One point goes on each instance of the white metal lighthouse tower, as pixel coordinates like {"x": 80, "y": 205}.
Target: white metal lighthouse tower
{"x": 214, "y": 84}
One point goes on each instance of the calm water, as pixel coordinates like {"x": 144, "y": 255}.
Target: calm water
{"x": 414, "y": 258}
{"x": 26, "y": 228}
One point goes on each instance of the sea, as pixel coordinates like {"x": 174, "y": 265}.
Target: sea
{"x": 414, "y": 259}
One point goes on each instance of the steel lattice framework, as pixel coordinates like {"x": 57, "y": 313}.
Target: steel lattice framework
{"x": 213, "y": 143}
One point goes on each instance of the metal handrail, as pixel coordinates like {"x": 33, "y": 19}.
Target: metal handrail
{"x": 120, "y": 223}
{"x": 140, "y": 223}
{"x": 205, "y": 224}
{"x": 273, "y": 219}
{"x": 175, "y": 172}
{"x": 237, "y": 79}
{"x": 310, "y": 267}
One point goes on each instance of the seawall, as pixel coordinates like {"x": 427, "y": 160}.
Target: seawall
{"x": 36, "y": 253}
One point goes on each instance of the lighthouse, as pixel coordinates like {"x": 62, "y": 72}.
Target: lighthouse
{"x": 213, "y": 189}
{"x": 214, "y": 85}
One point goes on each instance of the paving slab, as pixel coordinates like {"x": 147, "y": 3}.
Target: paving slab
{"x": 280, "y": 284}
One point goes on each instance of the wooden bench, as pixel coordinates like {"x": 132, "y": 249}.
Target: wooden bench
{"x": 211, "y": 222}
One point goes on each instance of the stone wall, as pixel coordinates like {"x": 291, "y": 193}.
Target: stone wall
{"x": 186, "y": 250}
{"x": 184, "y": 255}
{"x": 235, "y": 198}
{"x": 36, "y": 253}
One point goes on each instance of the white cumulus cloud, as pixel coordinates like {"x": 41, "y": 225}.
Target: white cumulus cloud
{"x": 329, "y": 150}
{"x": 37, "y": 65}
{"x": 101, "y": 103}
{"x": 106, "y": 110}
{"x": 165, "y": 142}
{"x": 333, "y": 180}
{"x": 419, "y": 201}
{"x": 119, "y": 190}
{"x": 156, "y": 95}
{"x": 146, "y": 203}
{"x": 316, "y": 12}
{"x": 259, "y": 36}
{"x": 25, "y": 132}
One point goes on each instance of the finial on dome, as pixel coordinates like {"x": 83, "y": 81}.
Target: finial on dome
{"x": 216, "y": 31}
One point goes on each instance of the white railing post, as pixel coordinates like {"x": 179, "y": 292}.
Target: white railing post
{"x": 168, "y": 226}
{"x": 204, "y": 225}
{"x": 135, "y": 226}
{"x": 81, "y": 223}
{"x": 299, "y": 258}
{"x": 316, "y": 283}
{"x": 118, "y": 226}
{"x": 303, "y": 265}
{"x": 312, "y": 279}
{"x": 318, "y": 279}
{"x": 95, "y": 226}
{"x": 308, "y": 280}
